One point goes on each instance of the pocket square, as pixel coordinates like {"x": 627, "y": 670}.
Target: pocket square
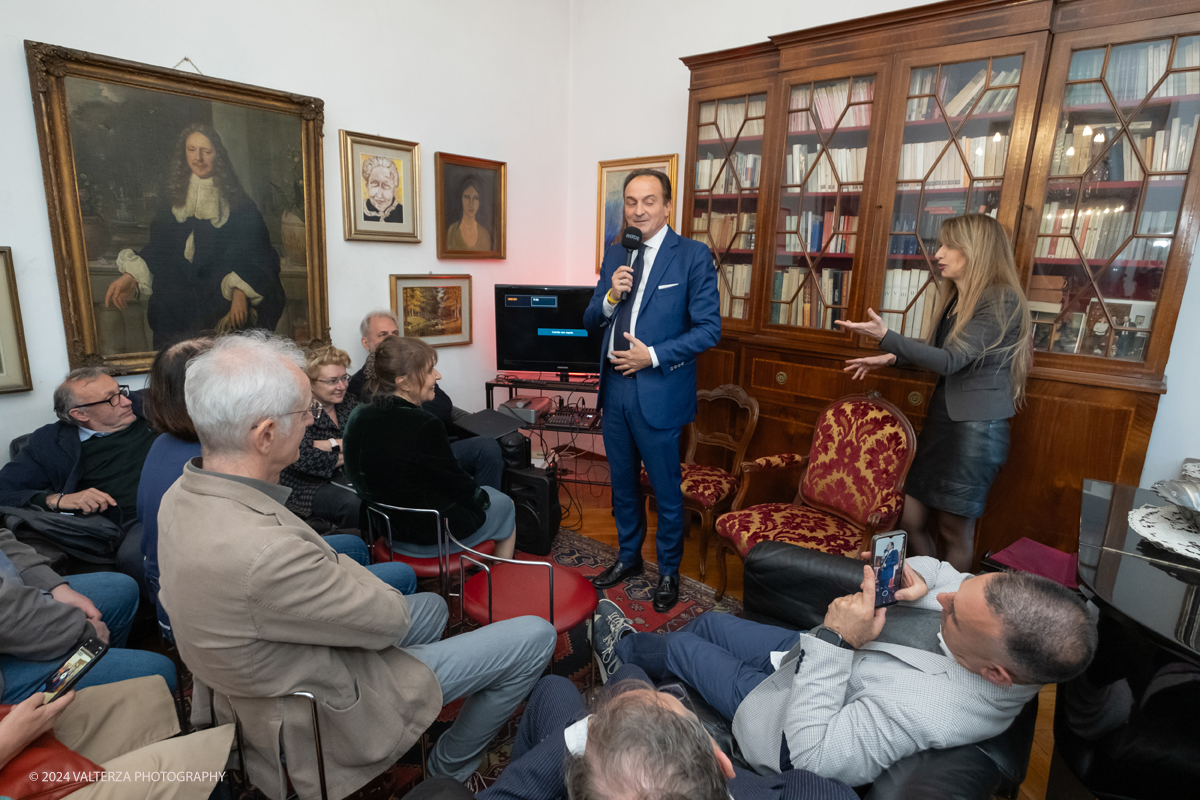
{"x": 667, "y": 285}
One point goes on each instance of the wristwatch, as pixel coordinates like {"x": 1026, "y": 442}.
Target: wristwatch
{"x": 831, "y": 636}
{"x": 334, "y": 447}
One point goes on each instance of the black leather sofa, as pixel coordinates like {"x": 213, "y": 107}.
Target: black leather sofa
{"x": 791, "y": 587}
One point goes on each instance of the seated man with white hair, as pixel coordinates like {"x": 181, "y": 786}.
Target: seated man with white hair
{"x": 479, "y": 456}
{"x": 262, "y": 607}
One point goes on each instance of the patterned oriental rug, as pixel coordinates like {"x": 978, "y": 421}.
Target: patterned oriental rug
{"x": 572, "y": 656}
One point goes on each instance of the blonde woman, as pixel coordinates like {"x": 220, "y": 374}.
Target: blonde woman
{"x": 981, "y": 351}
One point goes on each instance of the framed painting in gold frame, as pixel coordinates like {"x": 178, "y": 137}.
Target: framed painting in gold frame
{"x": 434, "y": 308}
{"x": 14, "y": 360}
{"x": 471, "y": 206}
{"x": 381, "y": 188}
{"x": 610, "y": 197}
{"x": 156, "y": 181}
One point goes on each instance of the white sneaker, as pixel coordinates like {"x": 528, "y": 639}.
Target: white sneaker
{"x": 610, "y": 626}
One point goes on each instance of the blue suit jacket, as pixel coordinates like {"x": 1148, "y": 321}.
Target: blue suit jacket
{"x": 680, "y": 318}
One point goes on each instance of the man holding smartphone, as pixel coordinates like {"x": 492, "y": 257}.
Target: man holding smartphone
{"x": 852, "y": 696}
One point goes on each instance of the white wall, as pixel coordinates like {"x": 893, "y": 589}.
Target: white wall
{"x": 472, "y": 77}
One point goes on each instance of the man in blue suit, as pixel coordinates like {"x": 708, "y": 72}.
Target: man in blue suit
{"x": 648, "y": 374}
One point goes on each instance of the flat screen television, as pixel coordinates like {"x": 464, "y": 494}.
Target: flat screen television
{"x": 540, "y": 329}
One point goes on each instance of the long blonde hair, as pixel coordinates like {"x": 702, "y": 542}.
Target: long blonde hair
{"x": 989, "y": 257}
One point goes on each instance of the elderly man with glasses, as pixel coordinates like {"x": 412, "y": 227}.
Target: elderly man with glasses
{"x": 87, "y": 463}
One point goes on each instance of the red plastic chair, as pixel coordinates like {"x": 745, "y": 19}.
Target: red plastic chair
{"x": 379, "y": 524}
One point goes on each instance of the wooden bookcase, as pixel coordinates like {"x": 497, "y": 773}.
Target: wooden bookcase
{"x": 821, "y": 163}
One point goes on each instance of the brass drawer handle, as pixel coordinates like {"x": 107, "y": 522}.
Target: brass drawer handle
{"x": 914, "y": 398}
{"x": 781, "y": 378}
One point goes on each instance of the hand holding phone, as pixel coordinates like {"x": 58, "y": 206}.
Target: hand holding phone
{"x": 75, "y": 667}
{"x": 887, "y": 559}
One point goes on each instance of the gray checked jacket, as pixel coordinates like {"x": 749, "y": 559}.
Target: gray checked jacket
{"x": 850, "y": 715}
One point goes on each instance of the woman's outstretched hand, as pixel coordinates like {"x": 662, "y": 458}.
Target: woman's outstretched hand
{"x": 873, "y": 328}
{"x": 861, "y": 366}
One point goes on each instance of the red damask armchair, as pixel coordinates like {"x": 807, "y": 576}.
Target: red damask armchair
{"x": 849, "y": 487}
{"x": 718, "y": 438}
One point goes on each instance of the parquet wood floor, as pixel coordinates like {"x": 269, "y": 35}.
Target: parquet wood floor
{"x": 591, "y": 515}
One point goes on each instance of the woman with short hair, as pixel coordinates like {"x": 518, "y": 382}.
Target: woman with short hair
{"x": 399, "y": 454}
{"x": 981, "y": 350}
{"x": 312, "y": 479}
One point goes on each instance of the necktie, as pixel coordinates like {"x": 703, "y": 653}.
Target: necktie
{"x": 625, "y": 309}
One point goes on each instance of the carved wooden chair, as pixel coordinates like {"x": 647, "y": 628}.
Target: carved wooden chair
{"x": 724, "y": 425}
{"x": 849, "y": 487}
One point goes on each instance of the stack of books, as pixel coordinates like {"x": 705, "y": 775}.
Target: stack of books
{"x": 724, "y": 231}
{"x": 917, "y": 159}
{"x": 850, "y": 164}
{"x": 741, "y": 171}
{"x": 827, "y": 102}
{"x": 911, "y": 301}
{"x": 729, "y": 116}
{"x": 818, "y": 229}
{"x": 801, "y": 299}
{"x": 735, "y": 290}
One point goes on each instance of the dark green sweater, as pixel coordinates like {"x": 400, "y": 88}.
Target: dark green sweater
{"x": 113, "y": 464}
{"x": 399, "y": 454}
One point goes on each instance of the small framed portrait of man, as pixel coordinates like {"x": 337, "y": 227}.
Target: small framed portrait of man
{"x": 470, "y": 207}
{"x": 188, "y": 205}
{"x": 381, "y": 188}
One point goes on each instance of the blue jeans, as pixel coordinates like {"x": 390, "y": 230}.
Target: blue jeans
{"x": 116, "y": 597}
{"x": 494, "y": 667}
{"x": 480, "y": 458}
{"x": 396, "y": 574}
{"x": 720, "y": 656}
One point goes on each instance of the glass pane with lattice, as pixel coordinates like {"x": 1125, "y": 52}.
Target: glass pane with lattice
{"x": 1134, "y": 70}
{"x": 1086, "y": 65}
{"x": 1086, "y": 131}
{"x": 1105, "y": 217}
{"x": 1165, "y": 132}
{"x": 1059, "y": 291}
{"x": 960, "y": 86}
{"x": 1160, "y": 211}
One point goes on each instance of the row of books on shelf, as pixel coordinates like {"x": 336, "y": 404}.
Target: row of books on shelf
{"x": 1168, "y": 149}
{"x": 1100, "y": 231}
{"x": 728, "y": 116}
{"x": 802, "y": 303}
{"x": 741, "y": 170}
{"x": 986, "y": 155}
{"x": 735, "y": 290}
{"x": 819, "y": 229}
{"x": 927, "y": 226}
{"x": 850, "y": 164}
{"x": 902, "y": 287}
{"x": 916, "y": 159}
{"x": 996, "y": 102}
{"x": 1133, "y": 71}
{"x": 828, "y": 101}
{"x": 722, "y": 231}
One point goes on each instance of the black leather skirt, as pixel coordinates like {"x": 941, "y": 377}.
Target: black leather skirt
{"x": 956, "y": 462}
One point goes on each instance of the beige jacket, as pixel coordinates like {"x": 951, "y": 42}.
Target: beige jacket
{"x": 263, "y": 607}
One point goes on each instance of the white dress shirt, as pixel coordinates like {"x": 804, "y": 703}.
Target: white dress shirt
{"x": 652, "y": 247}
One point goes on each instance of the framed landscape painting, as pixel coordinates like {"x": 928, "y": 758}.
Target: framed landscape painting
{"x": 471, "y": 213}
{"x": 14, "y": 360}
{"x": 179, "y": 205}
{"x": 610, "y": 196}
{"x": 435, "y": 308}
{"x": 381, "y": 188}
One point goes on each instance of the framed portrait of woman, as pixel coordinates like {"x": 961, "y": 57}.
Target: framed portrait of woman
{"x": 381, "y": 188}
{"x": 179, "y": 205}
{"x": 610, "y": 196}
{"x": 471, "y": 214}
{"x": 14, "y": 359}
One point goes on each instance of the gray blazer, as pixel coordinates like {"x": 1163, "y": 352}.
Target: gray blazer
{"x": 850, "y": 715}
{"x": 978, "y": 384}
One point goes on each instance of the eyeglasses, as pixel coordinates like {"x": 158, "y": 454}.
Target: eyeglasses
{"x": 334, "y": 381}
{"x": 114, "y": 400}
{"x": 314, "y": 408}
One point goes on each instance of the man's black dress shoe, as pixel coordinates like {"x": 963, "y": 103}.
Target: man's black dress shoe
{"x": 667, "y": 594}
{"x": 618, "y": 572}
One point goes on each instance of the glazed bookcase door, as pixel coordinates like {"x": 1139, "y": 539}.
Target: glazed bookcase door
{"x": 960, "y": 145}
{"x": 726, "y": 176}
{"x": 834, "y": 121}
{"x": 1115, "y": 148}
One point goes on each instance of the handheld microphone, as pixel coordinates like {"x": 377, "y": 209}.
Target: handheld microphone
{"x": 631, "y": 240}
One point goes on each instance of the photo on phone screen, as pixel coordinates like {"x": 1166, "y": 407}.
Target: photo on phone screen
{"x": 74, "y": 668}
{"x": 887, "y": 559}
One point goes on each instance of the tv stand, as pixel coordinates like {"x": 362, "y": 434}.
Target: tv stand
{"x": 563, "y": 381}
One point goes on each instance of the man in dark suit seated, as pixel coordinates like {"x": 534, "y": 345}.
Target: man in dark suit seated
{"x": 478, "y": 455}
{"x": 638, "y": 742}
{"x": 89, "y": 462}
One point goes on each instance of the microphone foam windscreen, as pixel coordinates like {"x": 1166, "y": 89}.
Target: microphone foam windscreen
{"x": 632, "y": 238}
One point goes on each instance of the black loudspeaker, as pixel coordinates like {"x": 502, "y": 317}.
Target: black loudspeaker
{"x": 534, "y": 491}
{"x": 515, "y": 449}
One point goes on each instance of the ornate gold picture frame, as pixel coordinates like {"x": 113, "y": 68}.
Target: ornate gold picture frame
{"x": 472, "y": 214}
{"x": 610, "y": 198}
{"x": 179, "y": 204}
{"x": 381, "y": 188}
{"x": 14, "y": 359}
{"x": 434, "y": 308}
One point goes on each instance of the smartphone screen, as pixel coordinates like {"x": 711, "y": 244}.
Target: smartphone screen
{"x": 887, "y": 558}
{"x": 72, "y": 670}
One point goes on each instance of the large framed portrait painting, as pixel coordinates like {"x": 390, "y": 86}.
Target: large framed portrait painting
{"x": 381, "y": 188}
{"x": 471, "y": 213}
{"x": 610, "y": 196}
{"x": 179, "y": 205}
